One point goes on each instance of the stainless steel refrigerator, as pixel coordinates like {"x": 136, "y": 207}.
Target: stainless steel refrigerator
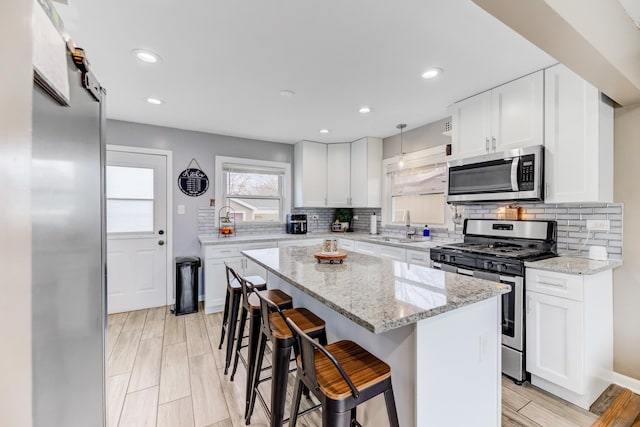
{"x": 68, "y": 265}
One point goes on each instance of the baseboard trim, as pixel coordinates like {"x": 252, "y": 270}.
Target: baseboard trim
{"x": 628, "y": 382}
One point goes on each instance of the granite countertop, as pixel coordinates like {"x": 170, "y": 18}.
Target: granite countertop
{"x": 418, "y": 243}
{"x": 573, "y": 265}
{"x": 378, "y": 294}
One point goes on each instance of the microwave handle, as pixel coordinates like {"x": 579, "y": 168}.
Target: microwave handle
{"x": 514, "y": 174}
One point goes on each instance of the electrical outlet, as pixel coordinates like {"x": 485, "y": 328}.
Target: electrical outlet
{"x": 598, "y": 224}
{"x": 314, "y": 217}
{"x": 355, "y": 217}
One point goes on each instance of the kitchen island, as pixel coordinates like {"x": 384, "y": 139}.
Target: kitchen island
{"x": 439, "y": 332}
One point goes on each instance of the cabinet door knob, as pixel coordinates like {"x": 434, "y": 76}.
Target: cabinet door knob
{"x": 161, "y": 242}
{"x": 493, "y": 143}
{"x": 486, "y": 144}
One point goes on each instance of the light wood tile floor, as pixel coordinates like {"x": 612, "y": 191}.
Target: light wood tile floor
{"x": 164, "y": 370}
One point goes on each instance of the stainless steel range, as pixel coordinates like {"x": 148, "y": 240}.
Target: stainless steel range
{"x": 496, "y": 250}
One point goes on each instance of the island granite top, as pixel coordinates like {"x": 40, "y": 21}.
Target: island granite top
{"x": 376, "y": 293}
{"x": 573, "y": 265}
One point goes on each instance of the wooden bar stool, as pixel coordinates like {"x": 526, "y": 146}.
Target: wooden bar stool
{"x": 275, "y": 329}
{"x": 341, "y": 375}
{"x": 231, "y": 308}
{"x": 251, "y": 306}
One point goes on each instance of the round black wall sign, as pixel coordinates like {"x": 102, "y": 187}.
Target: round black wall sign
{"x": 193, "y": 182}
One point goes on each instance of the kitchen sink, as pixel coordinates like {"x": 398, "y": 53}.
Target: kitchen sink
{"x": 393, "y": 239}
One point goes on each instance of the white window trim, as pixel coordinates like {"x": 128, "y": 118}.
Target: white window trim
{"x": 427, "y": 157}
{"x": 286, "y": 190}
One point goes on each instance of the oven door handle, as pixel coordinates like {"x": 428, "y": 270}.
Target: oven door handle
{"x": 508, "y": 279}
{"x": 514, "y": 174}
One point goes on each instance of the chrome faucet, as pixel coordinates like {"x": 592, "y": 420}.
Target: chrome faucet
{"x": 411, "y": 231}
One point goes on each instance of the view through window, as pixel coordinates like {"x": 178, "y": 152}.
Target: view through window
{"x": 419, "y": 191}
{"x": 254, "y": 192}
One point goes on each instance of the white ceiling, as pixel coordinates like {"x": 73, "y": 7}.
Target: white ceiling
{"x": 224, "y": 63}
{"x": 632, "y": 7}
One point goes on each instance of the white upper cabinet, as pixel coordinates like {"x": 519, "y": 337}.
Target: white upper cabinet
{"x": 471, "y": 126}
{"x": 310, "y": 174}
{"x": 338, "y": 176}
{"x": 578, "y": 140}
{"x": 509, "y": 116}
{"x": 366, "y": 173}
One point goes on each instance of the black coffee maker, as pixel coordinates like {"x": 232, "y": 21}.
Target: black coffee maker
{"x": 296, "y": 223}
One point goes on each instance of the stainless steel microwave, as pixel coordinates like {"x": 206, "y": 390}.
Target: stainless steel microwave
{"x": 514, "y": 175}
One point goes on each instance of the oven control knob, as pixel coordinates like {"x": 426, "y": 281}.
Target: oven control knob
{"x": 501, "y": 267}
{"x": 452, "y": 259}
{"x": 488, "y": 265}
{"x": 443, "y": 257}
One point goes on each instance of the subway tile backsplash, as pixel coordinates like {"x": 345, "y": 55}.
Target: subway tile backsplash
{"x": 573, "y": 236}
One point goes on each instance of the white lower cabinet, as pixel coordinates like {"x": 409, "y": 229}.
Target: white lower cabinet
{"x": 569, "y": 324}
{"x": 367, "y": 248}
{"x": 392, "y": 252}
{"x": 346, "y": 244}
{"x": 418, "y": 258}
{"x": 215, "y": 282}
{"x": 300, "y": 242}
{"x": 215, "y": 279}
{"x": 383, "y": 251}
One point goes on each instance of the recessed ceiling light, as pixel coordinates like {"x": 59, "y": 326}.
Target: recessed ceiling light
{"x": 364, "y": 110}
{"x": 324, "y": 130}
{"x": 432, "y": 73}
{"x": 155, "y": 101}
{"x": 286, "y": 93}
{"x": 146, "y": 56}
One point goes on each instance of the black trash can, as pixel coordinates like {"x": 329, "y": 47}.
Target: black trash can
{"x": 186, "y": 285}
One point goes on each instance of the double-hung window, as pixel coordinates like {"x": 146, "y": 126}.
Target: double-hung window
{"x": 418, "y": 190}
{"x": 256, "y": 190}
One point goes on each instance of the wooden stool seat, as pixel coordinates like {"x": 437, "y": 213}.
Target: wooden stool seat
{"x": 275, "y": 329}
{"x": 305, "y": 319}
{"x": 279, "y": 297}
{"x": 364, "y": 369}
{"x": 342, "y": 376}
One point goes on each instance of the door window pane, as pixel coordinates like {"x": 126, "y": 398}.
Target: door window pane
{"x": 125, "y": 182}
{"x": 130, "y": 199}
{"x": 129, "y": 216}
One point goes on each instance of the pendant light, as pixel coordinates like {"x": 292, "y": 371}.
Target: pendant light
{"x": 401, "y": 126}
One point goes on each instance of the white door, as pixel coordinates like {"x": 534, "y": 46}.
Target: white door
{"x": 471, "y": 134}
{"x": 554, "y": 340}
{"x": 338, "y": 174}
{"x": 517, "y": 113}
{"x": 136, "y": 231}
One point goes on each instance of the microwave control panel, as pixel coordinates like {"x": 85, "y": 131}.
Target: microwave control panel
{"x": 527, "y": 168}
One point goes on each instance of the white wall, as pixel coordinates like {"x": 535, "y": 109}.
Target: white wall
{"x": 185, "y": 146}
{"x": 427, "y": 136}
{"x": 15, "y": 224}
{"x": 626, "y": 279}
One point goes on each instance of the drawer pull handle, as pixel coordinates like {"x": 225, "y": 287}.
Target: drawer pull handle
{"x": 554, "y": 284}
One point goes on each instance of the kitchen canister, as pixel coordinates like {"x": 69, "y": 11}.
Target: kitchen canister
{"x": 330, "y": 246}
